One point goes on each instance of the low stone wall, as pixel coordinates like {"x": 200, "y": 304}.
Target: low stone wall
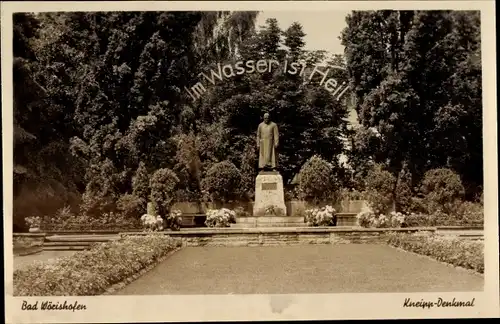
{"x": 247, "y": 236}
{"x": 285, "y": 236}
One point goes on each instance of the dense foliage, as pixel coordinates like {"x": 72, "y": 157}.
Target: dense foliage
{"x": 222, "y": 182}
{"x": 65, "y": 220}
{"x": 100, "y": 107}
{"x": 316, "y": 180}
{"x": 379, "y": 190}
{"x": 416, "y": 77}
{"x": 90, "y": 273}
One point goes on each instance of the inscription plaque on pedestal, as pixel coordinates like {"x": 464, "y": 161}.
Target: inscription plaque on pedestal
{"x": 270, "y": 186}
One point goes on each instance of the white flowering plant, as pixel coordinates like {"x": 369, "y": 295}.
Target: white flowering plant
{"x": 324, "y": 216}
{"x": 220, "y": 217}
{"x": 174, "y": 219}
{"x": 152, "y": 223}
{"x": 33, "y": 221}
{"x": 370, "y": 219}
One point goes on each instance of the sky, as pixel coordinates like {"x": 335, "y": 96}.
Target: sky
{"x": 322, "y": 28}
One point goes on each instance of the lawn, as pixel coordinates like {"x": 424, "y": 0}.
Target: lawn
{"x": 350, "y": 268}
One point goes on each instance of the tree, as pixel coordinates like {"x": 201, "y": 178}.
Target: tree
{"x": 407, "y": 69}
{"x": 310, "y": 122}
{"x": 46, "y": 176}
{"x": 97, "y": 94}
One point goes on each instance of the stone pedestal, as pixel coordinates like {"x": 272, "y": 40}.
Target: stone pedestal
{"x": 269, "y": 195}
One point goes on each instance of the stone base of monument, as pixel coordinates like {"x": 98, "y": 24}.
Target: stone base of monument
{"x": 269, "y": 195}
{"x": 269, "y": 209}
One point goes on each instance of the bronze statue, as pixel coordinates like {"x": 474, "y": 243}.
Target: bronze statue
{"x": 267, "y": 142}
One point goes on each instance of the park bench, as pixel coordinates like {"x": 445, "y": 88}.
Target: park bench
{"x": 193, "y": 219}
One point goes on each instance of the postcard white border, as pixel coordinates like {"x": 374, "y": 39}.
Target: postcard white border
{"x": 257, "y": 307}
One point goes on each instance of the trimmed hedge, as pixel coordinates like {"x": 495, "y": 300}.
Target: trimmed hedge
{"x": 460, "y": 253}
{"x": 107, "y": 221}
{"x": 91, "y": 272}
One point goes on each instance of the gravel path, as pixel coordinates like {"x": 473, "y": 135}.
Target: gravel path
{"x": 350, "y": 268}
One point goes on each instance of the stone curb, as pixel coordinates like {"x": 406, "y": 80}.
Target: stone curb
{"x": 120, "y": 285}
{"x": 471, "y": 271}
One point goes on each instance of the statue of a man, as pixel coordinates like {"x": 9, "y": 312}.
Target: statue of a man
{"x": 267, "y": 142}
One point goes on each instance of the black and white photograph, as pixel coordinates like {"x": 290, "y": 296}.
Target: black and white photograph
{"x": 200, "y": 161}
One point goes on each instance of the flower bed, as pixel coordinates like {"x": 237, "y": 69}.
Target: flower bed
{"x": 368, "y": 219}
{"x": 461, "y": 253}
{"x": 91, "y": 272}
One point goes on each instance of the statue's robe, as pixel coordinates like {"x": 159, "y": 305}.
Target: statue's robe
{"x": 267, "y": 139}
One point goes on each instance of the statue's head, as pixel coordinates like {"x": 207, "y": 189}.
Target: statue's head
{"x": 266, "y": 118}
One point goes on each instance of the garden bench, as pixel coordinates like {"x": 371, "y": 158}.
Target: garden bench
{"x": 193, "y": 219}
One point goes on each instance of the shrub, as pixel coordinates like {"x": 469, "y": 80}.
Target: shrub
{"x": 130, "y": 205}
{"x": 107, "y": 221}
{"x": 222, "y": 182}
{"x": 220, "y": 217}
{"x": 89, "y": 273}
{"x": 462, "y": 253}
{"x": 441, "y": 188}
{"x": 140, "y": 183}
{"x": 94, "y": 204}
{"x": 100, "y": 193}
{"x": 370, "y": 219}
{"x": 471, "y": 213}
{"x": 379, "y": 190}
{"x": 419, "y": 220}
{"x": 324, "y": 216}
{"x": 163, "y": 184}
{"x": 466, "y": 212}
{"x": 316, "y": 181}
{"x": 248, "y": 171}
{"x": 188, "y": 164}
{"x": 416, "y": 205}
{"x": 403, "y": 193}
